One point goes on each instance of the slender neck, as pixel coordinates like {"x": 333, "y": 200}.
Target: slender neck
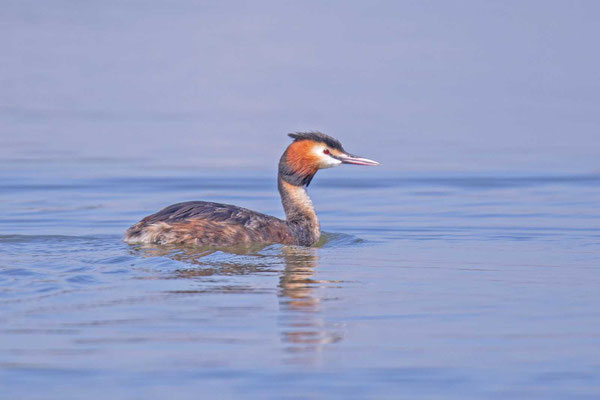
{"x": 299, "y": 212}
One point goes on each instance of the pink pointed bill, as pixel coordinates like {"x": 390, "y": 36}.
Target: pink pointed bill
{"x": 351, "y": 159}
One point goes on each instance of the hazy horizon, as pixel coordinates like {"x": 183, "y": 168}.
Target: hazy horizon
{"x": 421, "y": 86}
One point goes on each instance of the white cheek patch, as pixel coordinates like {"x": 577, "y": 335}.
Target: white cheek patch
{"x": 325, "y": 160}
{"x": 330, "y": 162}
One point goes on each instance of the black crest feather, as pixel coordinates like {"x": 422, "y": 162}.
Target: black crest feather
{"x": 317, "y": 137}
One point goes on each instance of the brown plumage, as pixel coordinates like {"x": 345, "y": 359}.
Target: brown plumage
{"x": 214, "y": 224}
{"x": 205, "y": 223}
{"x": 300, "y": 159}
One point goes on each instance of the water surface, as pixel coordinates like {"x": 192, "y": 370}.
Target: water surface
{"x": 424, "y": 286}
{"x": 466, "y": 266}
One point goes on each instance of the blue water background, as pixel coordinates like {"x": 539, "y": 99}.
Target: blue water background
{"x": 465, "y": 266}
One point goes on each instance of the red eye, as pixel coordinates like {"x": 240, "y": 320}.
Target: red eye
{"x": 326, "y": 151}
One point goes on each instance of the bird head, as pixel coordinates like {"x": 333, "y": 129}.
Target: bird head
{"x": 312, "y": 151}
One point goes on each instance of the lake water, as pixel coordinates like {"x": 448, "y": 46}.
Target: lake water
{"x": 426, "y": 287}
{"x": 466, "y": 266}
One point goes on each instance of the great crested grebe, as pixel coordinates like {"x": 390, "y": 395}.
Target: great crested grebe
{"x": 213, "y": 224}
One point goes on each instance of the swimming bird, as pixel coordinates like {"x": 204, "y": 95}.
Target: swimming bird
{"x": 212, "y": 224}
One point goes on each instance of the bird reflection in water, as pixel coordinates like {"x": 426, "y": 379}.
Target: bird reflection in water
{"x": 305, "y": 331}
{"x": 235, "y": 261}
